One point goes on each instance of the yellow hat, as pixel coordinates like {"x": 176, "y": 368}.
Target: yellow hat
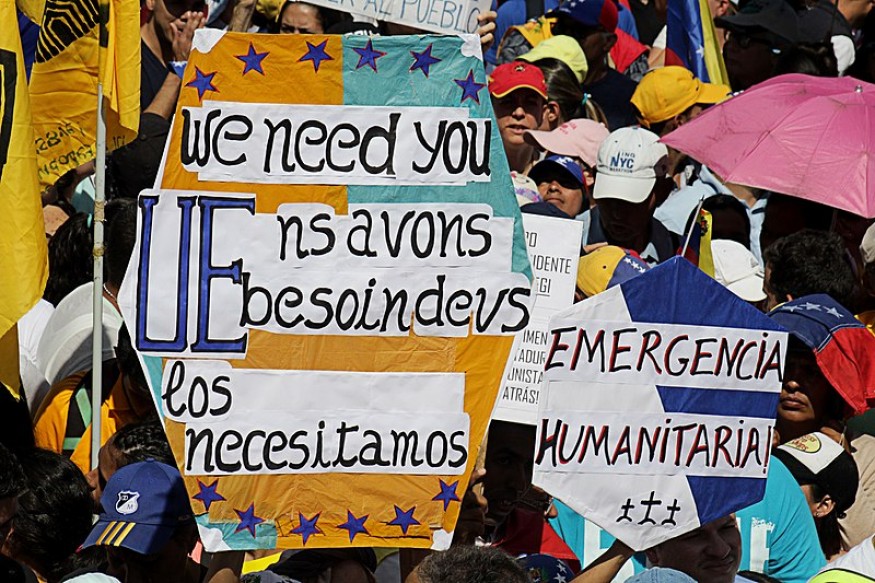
{"x": 563, "y": 48}
{"x": 664, "y": 93}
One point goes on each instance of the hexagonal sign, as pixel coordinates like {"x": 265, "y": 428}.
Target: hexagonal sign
{"x": 327, "y": 281}
{"x": 659, "y": 403}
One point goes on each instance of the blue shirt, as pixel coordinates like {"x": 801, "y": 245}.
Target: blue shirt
{"x": 778, "y": 537}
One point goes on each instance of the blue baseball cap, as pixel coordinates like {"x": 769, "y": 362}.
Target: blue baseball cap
{"x": 547, "y": 168}
{"x": 603, "y": 13}
{"x": 143, "y": 505}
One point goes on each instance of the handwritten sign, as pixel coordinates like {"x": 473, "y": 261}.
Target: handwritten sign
{"x": 329, "y": 288}
{"x": 658, "y": 405}
{"x": 554, "y": 251}
{"x": 443, "y": 16}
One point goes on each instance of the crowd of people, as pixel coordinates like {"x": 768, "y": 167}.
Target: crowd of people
{"x": 582, "y": 91}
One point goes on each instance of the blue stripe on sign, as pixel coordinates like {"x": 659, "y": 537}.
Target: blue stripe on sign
{"x": 717, "y": 496}
{"x": 677, "y": 292}
{"x": 723, "y": 402}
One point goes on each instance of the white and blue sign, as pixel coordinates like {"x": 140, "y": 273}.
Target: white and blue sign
{"x": 658, "y": 404}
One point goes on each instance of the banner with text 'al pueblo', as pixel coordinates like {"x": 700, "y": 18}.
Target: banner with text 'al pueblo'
{"x": 330, "y": 273}
{"x": 658, "y": 404}
{"x": 441, "y": 16}
{"x": 554, "y": 252}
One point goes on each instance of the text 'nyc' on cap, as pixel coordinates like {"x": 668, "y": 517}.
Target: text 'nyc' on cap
{"x": 143, "y": 505}
{"x": 667, "y": 92}
{"x": 509, "y": 77}
{"x": 630, "y": 159}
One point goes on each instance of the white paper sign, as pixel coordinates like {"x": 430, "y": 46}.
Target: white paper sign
{"x": 554, "y": 252}
{"x": 445, "y": 16}
{"x": 256, "y": 421}
{"x": 334, "y": 144}
{"x": 436, "y": 270}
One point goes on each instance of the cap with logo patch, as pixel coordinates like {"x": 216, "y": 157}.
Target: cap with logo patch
{"x": 629, "y": 162}
{"x": 816, "y": 459}
{"x": 507, "y": 78}
{"x": 143, "y": 505}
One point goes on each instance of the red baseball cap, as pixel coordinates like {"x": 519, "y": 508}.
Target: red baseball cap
{"x": 517, "y": 75}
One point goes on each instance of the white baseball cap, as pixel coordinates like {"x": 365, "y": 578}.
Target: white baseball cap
{"x": 629, "y": 161}
{"x": 736, "y": 268}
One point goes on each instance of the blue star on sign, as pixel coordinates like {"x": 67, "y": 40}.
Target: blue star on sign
{"x": 447, "y": 493}
{"x": 248, "y": 520}
{"x": 404, "y": 519}
{"x": 354, "y": 525}
{"x": 423, "y": 60}
{"x": 368, "y": 56}
{"x": 307, "y": 526}
{"x": 202, "y": 82}
{"x": 252, "y": 60}
{"x": 316, "y": 54}
{"x": 208, "y": 494}
{"x": 470, "y": 88}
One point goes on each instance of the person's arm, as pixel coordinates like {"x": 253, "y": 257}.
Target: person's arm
{"x": 606, "y": 567}
{"x": 486, "y": 29}
{"x": 241, "y": 19}
{"x": 164, "y": 102}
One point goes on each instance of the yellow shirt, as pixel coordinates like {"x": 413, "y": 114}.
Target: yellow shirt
{"x": 50, "y": 427}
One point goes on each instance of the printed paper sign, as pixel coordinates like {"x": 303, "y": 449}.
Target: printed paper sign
{"x": 445, "y": 16}
{"x": 327, "y": 281}
{"x": 658, "y": 404}
{"x": 554, "y": 251}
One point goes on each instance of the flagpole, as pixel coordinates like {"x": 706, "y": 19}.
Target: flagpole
{"x": 692, "y": 226}
{"x": 97, "y": 328}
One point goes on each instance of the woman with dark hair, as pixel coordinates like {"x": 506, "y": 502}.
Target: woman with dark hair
{"x": 54, "y": 516}
{"x": 828, "y": 477}
{"x": 566, "y": 99}
{"x": 302, "y": 18}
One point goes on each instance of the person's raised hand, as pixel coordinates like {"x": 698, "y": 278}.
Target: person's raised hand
{"x": 486, "y": 28}
{"x": 472, "y": 515}
{"x": 183, "y": 33}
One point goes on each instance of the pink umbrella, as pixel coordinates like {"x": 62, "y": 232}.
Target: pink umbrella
{"x": 811, "y": 137}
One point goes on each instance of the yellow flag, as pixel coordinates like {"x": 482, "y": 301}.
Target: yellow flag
{"x": 73, "y": 52}
{"x": 706, "y": 258}
{"x": 23, "y": 260}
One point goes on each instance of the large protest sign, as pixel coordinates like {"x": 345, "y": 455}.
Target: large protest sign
{"x": 446, "y": 16}
{"x": 328, "y": 274}
{"x": 658, "y": 405}
{"x": 554, "y": 252}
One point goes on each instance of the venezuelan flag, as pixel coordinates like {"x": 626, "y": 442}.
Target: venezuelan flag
{"x": 692, "y": 40}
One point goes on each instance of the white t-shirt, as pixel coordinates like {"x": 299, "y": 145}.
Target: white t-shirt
{"x": 860, "y": 560}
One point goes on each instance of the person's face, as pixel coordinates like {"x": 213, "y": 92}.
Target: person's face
{"x": 710, "y": 553}
{"x": 625, "y": 222}
{"x": 108, "y": 463}
{"x": 300, "y": 18}
{"x": 165, "y": 12}
{"x": 563, "y": 192}
{"x": 750, "y": 59}
{"x": 772, "y": 299}
{"x": 510, "y": 456}
{"x": 805, "y": 395}
{"x": 596, "y": 44}
{"x": 517, "y": 112}
{"x": 783, "y": 217}
{"x": 718, "y": 7}
{"x": 728, "y": 224}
